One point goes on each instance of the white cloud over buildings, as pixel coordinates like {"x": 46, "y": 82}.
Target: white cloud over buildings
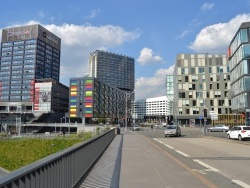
{"x": 216, "y": 38}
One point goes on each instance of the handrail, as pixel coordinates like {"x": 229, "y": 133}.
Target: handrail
{"x": 63, "y": 169}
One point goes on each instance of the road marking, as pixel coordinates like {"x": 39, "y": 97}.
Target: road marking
{"x": 191, "y": 171}
{"x": 184, "y": 154}
{"x": 241, "y": 183}
{"x": 206, "y": 165}
{"x": 168, "y": 146}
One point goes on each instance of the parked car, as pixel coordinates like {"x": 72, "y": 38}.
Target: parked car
{"x": 136, "y": 128}
{"x": 172, "y": 130}
{"x": 218, "y": 128}
{"x": 240, "y": 132}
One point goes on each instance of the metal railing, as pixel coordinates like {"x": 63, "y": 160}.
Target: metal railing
{"x": 61, "y": 170}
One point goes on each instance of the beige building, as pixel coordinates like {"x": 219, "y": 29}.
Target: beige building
{"x": 202, "y": 82}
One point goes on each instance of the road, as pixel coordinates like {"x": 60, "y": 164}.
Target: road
{"x": 219, "y": 160}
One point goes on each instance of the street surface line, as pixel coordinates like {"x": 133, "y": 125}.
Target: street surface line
{"x": 241, "y": 183}
{"x": 206, "y": 165}
{"x": 168, "y": 146}
{"x": 184, "y": 154}
{"x": 205, "y": 181}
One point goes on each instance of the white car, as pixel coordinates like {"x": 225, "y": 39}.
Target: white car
{"x": 136, "y": 128}
{"x": 172, "y": 130}
{"x": 240, "y": 132}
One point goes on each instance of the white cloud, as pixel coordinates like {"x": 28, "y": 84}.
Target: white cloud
{"x": 147, "y": 57}
{"x": 78, "y": 41}
{"x": 216, "y": 38}
{"x": 183, "y": 34}
{"x": 207, "y": 6}
{"x": 94, "y": 13}
{"x": 152, "y": 86}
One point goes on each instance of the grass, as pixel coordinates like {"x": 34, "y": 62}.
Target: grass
{"x": 16, "y": 153}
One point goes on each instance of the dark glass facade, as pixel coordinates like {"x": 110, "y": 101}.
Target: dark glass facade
{"x": 113, "y": 69}
{"x": 27, "y": 53}
{"x": 239, "y": 62}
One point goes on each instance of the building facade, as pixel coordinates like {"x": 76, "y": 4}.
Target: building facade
{"x": 51, "y": 101}
{"x": 239, "y": 63}
{"x": 152, "y": 109}
{"x": 27, "y": 53}
{"x": 93, "y": 101}
{"x": 113, "y": 69}
{"x": 170, "y": 94}
{"x": 202, "y": 82}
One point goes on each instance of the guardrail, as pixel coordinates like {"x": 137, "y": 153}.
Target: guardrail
{"x": 63, "y": 169}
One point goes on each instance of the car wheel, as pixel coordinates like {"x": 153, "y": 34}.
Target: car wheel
{"x": 209, "y": 130}
{"x": 240, "y": 138}
{"x": 228, "y": 136}
{"x": 224, "y": 130}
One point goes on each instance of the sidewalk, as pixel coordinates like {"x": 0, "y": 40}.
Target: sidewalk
{"x": 131, "y": 161}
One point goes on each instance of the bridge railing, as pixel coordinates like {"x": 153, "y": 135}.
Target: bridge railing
{"x": 60, "y": 170}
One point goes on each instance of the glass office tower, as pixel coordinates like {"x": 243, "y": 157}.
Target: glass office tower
{"x": 113, "y": 69}
{"x": 239, "y": 63}
{"x": 27, "y": 53}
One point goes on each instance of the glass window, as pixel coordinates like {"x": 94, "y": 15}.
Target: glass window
{"x": 246, "y": 51}
{"x": 201, "y": 70}
{"x": 209, "y": 69}
{"x": 243, "y": 33}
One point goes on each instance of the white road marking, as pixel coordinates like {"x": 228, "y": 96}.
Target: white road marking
{"x": 206, "y": 165}
{"x": 168, "y": 146}
{"x": 184, "y": 154}
{"x": 241, "y": 183}
{"x": 192, "y": 141}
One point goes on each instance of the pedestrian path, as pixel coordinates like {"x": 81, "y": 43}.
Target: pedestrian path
{"x": 133, "y": 161}
{"x": 106, "y": 172}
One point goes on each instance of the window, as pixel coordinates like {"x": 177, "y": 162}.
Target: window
{"x": 243, "y": 35}
{"x": 211, "y": 103}
{"x": 219, "y": 70}
{"x": 201, "y": 70}
{"x": 192, "y": 70}
{"x": 221, "y": 102}
{"x": 200, "y": 86}
{"x": 246, "y": 50}
{"x": 209, "y": 69}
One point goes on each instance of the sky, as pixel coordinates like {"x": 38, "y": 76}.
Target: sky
{"x": 153, "y": 32}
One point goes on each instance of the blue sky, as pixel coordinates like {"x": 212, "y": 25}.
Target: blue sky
{"x": 151, "y": 31}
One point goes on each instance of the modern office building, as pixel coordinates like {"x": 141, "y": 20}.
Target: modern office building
{"x": 51, "y": 100}
{"x": 113, "y": 69}
{"x": 202, "y": 82}
{"x": 239, "y": 63}
{"x": 152, "y": 109}
{"x": 93, "y": 101}
{"x": 27, "y": 53}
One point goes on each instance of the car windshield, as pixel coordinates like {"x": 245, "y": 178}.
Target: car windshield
{"x": 171, "y": 127}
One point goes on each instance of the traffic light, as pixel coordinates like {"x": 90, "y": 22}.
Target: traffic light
{"x": 205, "y": 112}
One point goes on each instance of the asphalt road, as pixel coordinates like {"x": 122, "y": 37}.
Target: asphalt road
{"x": 219, "y": 160}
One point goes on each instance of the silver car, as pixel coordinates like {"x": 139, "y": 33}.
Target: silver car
{"x": 218, "y": 128}
{"x": 172, "y": 130}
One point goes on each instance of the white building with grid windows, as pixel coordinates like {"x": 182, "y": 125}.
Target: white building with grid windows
{"x": 158, "y": 106}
